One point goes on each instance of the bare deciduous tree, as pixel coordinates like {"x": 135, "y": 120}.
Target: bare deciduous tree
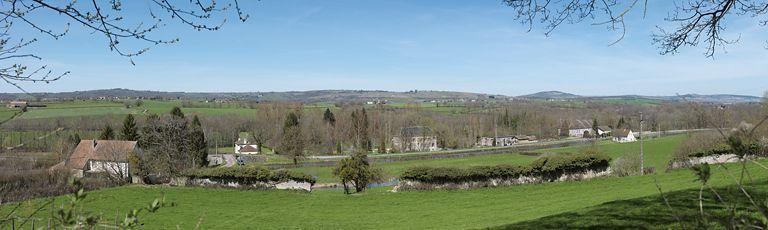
{"x": 694, "y": 21}
{"x": 121, "y": 30}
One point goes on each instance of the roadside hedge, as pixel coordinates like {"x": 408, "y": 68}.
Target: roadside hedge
{"x": 249, "y": 175}
{"x": 548, "y": 167}
{"x": 721, "y": 149}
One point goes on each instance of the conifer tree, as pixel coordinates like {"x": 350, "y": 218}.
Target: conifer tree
{"x": 107, "y": 133}
{"x": 129, "y": 132}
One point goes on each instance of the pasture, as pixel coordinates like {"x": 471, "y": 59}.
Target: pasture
{"x": 658, "y": 152}
{"x": 381, "y": 209}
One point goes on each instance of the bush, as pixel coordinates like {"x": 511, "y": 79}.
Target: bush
{"x": 356, "y": 170}
{"x": 249, "y": 175}
{"x": 701, "y": 144}
{"x": 548, "y": 167}
{"x": 459, "y": 175}
{"x": 626, "y": 165}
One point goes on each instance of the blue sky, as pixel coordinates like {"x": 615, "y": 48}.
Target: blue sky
{"x": 472, "y": 46}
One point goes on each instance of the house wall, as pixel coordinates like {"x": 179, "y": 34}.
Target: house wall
{"x": 238, "y": 147}
{"x": 501, "y": 141}
{"x": 114, "y": 168}
{"x": 416, "y": 144}
{"x": 578, "y": 132}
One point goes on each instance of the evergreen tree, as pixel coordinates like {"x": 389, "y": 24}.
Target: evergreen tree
{"x": 595, "y": 128}
{"x": 176, "y": 112}
{"x": 107, "y": 133}
{"x": 74, "y": 139}
{"x": 129, "y": 132}
{"x": 198, "y": 145}
{"x": 328, "y": 117}
{"x": 292, "y": 143}
{"x": 621, "y": 123}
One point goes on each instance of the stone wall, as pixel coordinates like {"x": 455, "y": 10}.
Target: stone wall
{"x": 405, "y": 185}
{"x": 292, "y": 185}
{"x": 714, "y": 159}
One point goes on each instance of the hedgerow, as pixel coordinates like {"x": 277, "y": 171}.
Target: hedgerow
{"x": 548, "y": 167}
{"x": 249, "y": 175}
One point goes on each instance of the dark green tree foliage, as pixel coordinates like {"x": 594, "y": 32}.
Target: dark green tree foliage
{"x": 548, "y": 168}
{"x": 197, "y": 143}
{"x": 129, "y": 132}
{"x": 249, "y": 175}
{"x": 595, "y": 128}
{"x": 360, "y": 130}
{"x": 292, "y": 142}
{"x": 176, "y": 112}
{"x": 328, "y": 117}
{"x": 74, "y": 139}
{"x": 107, "y": 133}
{"x": 622, "y": 124}
{"x": 357, "y": 172}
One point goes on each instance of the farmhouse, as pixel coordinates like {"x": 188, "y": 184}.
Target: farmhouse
{"x": 244, "y": 146}
{"x": 623, "y": 135}
{"x": 417, "y": 138}
{"x": 17, "y": 104}
{"x": 101, "y": 156}
{"x": 578, "y": 128}
{"x": 497, "y": 141}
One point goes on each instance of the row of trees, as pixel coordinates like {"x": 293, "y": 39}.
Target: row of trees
{"x": 340, "y": 129}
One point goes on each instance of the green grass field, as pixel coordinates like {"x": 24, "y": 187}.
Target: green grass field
{"x": 381, "y": 209}
{"x": 657, "y": 153}
{"x": 394, "y": 169}
{"x": 106, "y": 108}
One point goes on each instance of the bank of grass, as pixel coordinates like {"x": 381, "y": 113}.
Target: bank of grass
{"x": 394, "y": 169}
{"x": 658, "y": 152}
{"x": 380, "y": 209}
{"x": 651, "y": 212}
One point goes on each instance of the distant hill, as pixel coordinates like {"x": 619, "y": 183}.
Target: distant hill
{"x": 313, "y": 96}
{"x": 318, "y": 96}
{"x": 714, "y": 98}
{"x": 551, "y": 95}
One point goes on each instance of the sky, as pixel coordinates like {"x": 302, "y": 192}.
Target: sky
{"x": 402, "y": 45}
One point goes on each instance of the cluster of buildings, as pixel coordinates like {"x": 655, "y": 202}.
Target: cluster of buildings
{"x": 584, "y": 129}
{"x": 502, "y": 141}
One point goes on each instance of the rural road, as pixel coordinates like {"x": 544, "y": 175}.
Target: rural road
{"x": 229, "y": 160}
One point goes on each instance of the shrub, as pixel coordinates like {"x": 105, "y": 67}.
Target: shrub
{"x": 357, "y": 171}
{"x": 249, "y": 175}
{"x": 700, "y": 145}
{"x": 626, "y": 165}
{"x": 548, "y": 167}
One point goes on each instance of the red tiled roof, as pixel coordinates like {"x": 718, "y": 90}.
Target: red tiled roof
{"x": 105, "y": 150}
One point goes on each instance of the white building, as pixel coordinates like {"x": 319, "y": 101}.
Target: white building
{"x": 415, "y": 139}
{"x": 623, "y": 136}
{"x": 244, "y": 146}
{"x": 499, "y": 141}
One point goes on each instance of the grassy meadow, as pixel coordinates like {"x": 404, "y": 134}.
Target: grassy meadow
{"x": 658, "y": 152}
{"x": 381, "y": 209}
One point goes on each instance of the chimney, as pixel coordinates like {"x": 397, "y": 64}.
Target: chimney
{"x": 94, "y": 143}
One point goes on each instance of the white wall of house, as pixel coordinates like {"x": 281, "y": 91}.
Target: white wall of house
{"x": 501, "y": 141}
{"x": 426, "y": 143}
{"x": 111, "y": 167}
{"x": 578, "y": 132}
{"x": 629, "y": 138}
{"x": 238, "y": 149}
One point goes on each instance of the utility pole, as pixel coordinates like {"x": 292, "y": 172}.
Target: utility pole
{"x": 642, "y": 158}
